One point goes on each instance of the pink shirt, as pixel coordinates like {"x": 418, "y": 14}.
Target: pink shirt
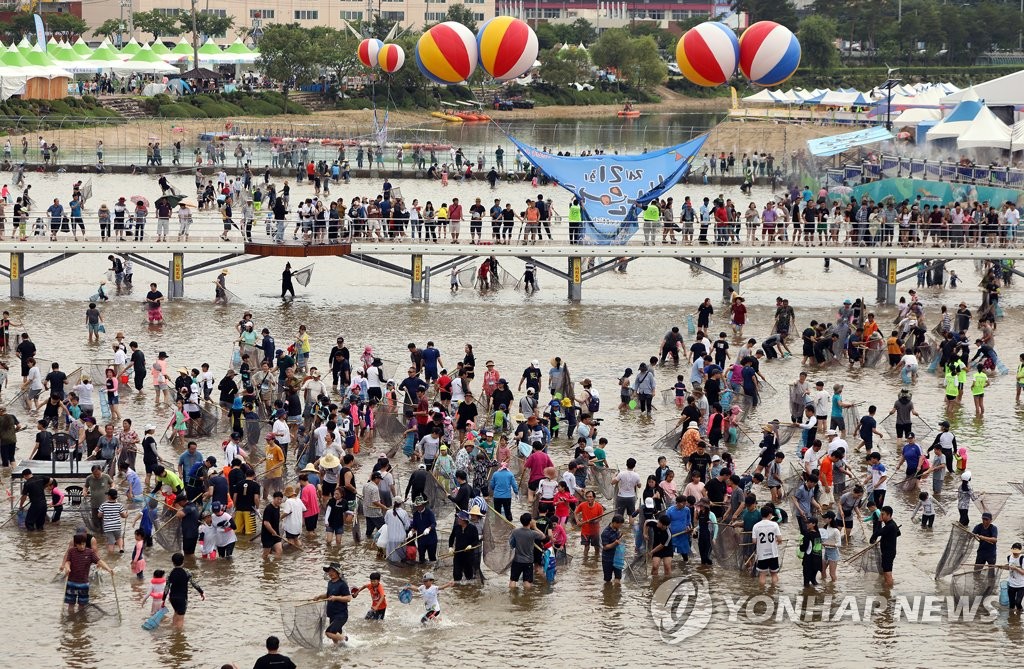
{"x": 311, "y": 500}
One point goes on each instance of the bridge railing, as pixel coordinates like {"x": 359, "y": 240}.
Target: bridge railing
{"x": 209, "y": 226}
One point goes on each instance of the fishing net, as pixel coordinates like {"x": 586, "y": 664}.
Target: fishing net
{"x": 304, "y": 624}
{"x": 387, "y": 424}
{"x": 867, "y": 561}
{"x": 851, "y": 416}
{"x": 231, "y": 298}
{"x": 668, "y": 396}
{"x": 636, "y": 570}
{"x": 466, "y": 276}
{"x": 976, "y": 581}
{"x": 786, "y": 433}
{"x": 436, "y": 496}
{"x": 921, "y": 427}
{"x": 302, "y": 276}
{"x": 210, "y": 417}
{"x": 957, "y": 547}
{"x": 600, "y": 478}
{"x": 1018, "y": 487}
{"x": 168, "y": 535}
{"x": 992, "y": 502}
{"x": 670, "y": 439}
{"x": 255, "y": 430}
{"x": 92, "y": 522}
{"x": 497, "y": 552}
{"x": 732, "y": 548}
{"x": 515, "y": 464}
{"x": 873, "y": 356}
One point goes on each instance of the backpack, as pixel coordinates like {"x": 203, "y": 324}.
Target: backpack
{"x": 593, "y": 403}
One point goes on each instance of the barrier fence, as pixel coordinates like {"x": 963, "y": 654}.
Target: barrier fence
{"x": 913, "y": 168}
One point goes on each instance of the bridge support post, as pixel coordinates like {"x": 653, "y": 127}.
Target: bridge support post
{"x": 416, "y": 278}
{"x": 426, "y": 283}
{"x": 18, "y": 274}
{"x": 731, "y": 276}
{"x": 176, "y": 276}
{"x": 575, "y": 279}
{"x": 887, "y": 280}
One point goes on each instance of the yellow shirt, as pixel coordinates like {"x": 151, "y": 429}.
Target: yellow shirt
{"x": 275, "y": 461}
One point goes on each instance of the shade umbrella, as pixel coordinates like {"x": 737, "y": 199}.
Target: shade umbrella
{"x": 135, "y": 199}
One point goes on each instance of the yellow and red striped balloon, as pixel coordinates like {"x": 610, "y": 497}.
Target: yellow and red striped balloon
{"x": 707, "y": 54}
{"x": 391, "y": 58}
{"x": 508, "y": 47}
{"x": 447, "y": 53}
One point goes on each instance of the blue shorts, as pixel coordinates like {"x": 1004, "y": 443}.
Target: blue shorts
{"x": 113, "y": 400}
{"x": 76, "y": 592}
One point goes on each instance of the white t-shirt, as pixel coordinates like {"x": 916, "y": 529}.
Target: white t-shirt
{"x": 430, "y": 597}
{"x": 35, "y": 379}
{"x": 374, "y": 377}
{"x": 321, "y": 439}
{"x": 627, "y": 484}
{"x": 766, "y": 537}
{"x": 547, "y": 488}
{"x": 830, "y": 536}
{"x": 119, "y": 358}
{"x": 205, "y": 379}
{"x": 822, "y": 403}
{"x": 292, "y": 522}
{"x": 281, "y": 432}
{"x": 910, "y": 360}
{"x": 458, "y": 392}
{"x": 811, "y": 458}
{"x": 838, "y": 443}
{"x": 1015, "y": 579}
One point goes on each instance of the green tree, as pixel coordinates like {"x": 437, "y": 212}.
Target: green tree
{"x": 665, "y": 40}
{"x": 780, "y": 11}
{"x": 461, "y": 14}
{"x": 156, "y": 24}
{"x": 109, "y": 28}
{"x": 63, "y": 26}
{"x": 210, "y": 25}
{"x": 645, "y": 65}
{"x": 612, "y": 50}
{"x": 287, "y": 55}
{"x": 561, "y": 67}
{"x": 547, "y": 36}
{"x": 333, "y": 50}
{"x": 583, "y": 32}
{"x": 817, "y": 36}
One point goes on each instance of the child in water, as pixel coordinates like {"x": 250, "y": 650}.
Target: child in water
{"x": 138, "y": 554}
{"x": 378, "y": 601}
{"x": 156, "y": 591}
{"x": 429, "y": 592}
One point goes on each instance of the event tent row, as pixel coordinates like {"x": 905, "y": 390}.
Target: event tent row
{"x": 903, "y": 97}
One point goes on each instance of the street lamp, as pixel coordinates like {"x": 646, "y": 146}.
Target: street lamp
{"x": 890, "y": 83}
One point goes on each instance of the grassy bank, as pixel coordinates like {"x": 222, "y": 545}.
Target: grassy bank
{"x": 221, "y": 105}
{"x": 17, "y": 115}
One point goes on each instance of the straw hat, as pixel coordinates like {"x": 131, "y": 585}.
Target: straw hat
{"x": 329, "y": 461}
{"x": 309, "y": 469}
{"x": 289, "y": 491}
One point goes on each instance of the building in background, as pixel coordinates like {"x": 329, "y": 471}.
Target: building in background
{"x": 604, "y": 15}
{"x": 308, "y": 13}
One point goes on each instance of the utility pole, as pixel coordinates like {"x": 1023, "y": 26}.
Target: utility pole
{"x": 195, "y": 38}
{"x": 125, "y": 4}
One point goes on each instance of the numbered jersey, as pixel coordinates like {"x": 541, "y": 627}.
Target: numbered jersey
{"x": 765, "y": 535}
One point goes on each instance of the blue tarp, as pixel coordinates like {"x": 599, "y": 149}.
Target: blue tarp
{"x": 613, "y": 189}
{"x": 836, "y": 144}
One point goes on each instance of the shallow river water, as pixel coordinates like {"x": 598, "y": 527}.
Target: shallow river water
{"x": 578, "y": 621}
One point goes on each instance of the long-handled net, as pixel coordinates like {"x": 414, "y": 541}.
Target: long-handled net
{"x": 255, "y": 430}
{"x": 91, "y": 521}
{"x": 437, "y": 497}
{"x": 867, "y": 561}
{"x": 786, "y": 433}
{"x": 732, "y": 549}
{"x": 975, "y": 581}
{"x": 852, "y": 419}
{"x": 304, "y": 624}
{"x": 670, "y": 439}
{"x": 388, "y": 425}
{"x": 992, "y": 502}
{"x": 601, "y": 479}
{"x": 1017, "y": 487}
{"x": 497, "y": 552}
{"x": 168, "y": 535}
{"x": 302, "y": 276}
{"x": 957, "y": 547}
{"x": 636, "y": 570}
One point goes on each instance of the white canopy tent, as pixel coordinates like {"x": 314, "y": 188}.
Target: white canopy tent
{"x": 958, "y": 120}
{"x": 985, "y": 131}
{"x": 1002, "y": 92}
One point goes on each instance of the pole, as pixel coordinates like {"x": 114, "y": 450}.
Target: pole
{"x": 195, "y": 38}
